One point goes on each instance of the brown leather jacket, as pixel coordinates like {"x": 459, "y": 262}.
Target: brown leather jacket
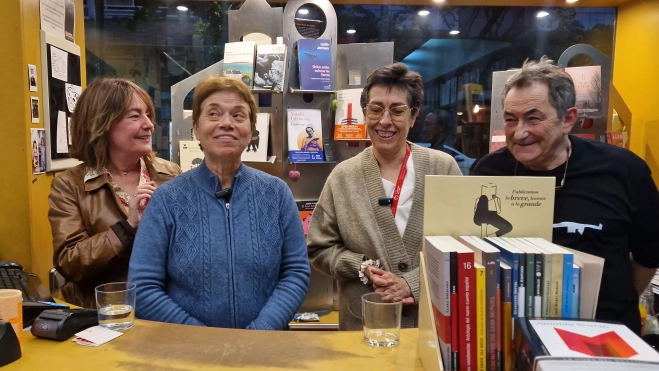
{"x": 91, "y": 239}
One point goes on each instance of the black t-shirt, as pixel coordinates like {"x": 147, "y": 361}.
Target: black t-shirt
{"x": 610, "y": 190}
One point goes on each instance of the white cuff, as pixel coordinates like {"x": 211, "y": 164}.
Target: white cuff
{"x": 362, "y": 268}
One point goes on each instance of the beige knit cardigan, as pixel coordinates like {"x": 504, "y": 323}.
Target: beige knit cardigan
{"x": 348, "y": 226}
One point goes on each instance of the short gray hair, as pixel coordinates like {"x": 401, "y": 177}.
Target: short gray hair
{"x": 562, "y": 95}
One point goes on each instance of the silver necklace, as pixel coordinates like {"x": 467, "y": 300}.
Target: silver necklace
{"x": 567, "y": 161}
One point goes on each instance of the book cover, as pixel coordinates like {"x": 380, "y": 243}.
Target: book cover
{"x": 305, "y": 136}
{"x": 489, "y": 206}
{"x": 536, "y": 271}
{"x": 617, "y": 138}
{"x": 481, "y": 310}
{"x": 588, "y": 86}
{"x": 190, "y": 154}
{"x": 349, "y": 118}
{"x": 315, "y": 64}
{"x": 590, "y": 279}
{"x": 239, "y": 61}
{"x": 558, "y": 279}
{"x": 257, "y": 149}
{"x": 305, "y": 208}
{"x": 455, "y": 315}
{"x": 570, "y": 338}
{"x": 270, "y": 67}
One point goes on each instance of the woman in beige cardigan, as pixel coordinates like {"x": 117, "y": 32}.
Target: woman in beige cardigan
{"x": 367, "y": 228}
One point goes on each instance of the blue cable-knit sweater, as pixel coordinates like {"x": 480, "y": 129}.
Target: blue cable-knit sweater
{"x": 197, "y": 261}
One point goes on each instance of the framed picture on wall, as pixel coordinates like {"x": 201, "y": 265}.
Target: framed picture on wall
{"x": 34, "y": 109}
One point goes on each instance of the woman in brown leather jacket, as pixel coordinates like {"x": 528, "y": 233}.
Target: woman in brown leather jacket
{"x": 96, "y": 207}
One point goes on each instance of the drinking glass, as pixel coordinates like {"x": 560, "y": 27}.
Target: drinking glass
{"x": 115, "y": 303}
{"x": 381, "y": 320}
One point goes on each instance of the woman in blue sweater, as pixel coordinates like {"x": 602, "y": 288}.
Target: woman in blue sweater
{"x": 222, "y": 244}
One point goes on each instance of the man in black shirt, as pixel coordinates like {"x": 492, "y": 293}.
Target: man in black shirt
{"x": 605, "y": 191}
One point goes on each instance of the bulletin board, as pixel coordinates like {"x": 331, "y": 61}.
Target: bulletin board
{"x": 61, "y": 81}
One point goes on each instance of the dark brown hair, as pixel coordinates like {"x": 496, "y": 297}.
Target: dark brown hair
{"x": 213, "y": 84}
{"x": 103, "y": 103}
{"x": 396, "y": 75}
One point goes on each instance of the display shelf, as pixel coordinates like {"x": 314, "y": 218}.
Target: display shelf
{"x": 271, "y": 160}
{"x": 303, "y": 91}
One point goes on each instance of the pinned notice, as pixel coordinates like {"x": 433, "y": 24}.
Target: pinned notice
{"x": 62, "y": 138}
{"x": 59, "y": 63}
{"x": 72, "y": 94}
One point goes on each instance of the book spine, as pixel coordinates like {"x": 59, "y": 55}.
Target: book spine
{"x": 576, "y": 283}
{"x": 530, "y": 283}
{"x": 521, "y": 285}
{"x": 492, "y": 294}
{"x": 556, "y": 298}
{"x": 537, "y": 303}
{"x": 466, "y": 315}
{"x": 507, "y": 318}
{"x": 439, "y": 273}
{"x": 481, "y": 311}
{"x": 546, "y": 284}
{"x": 568, "y": 262}
{"x": 455, "y": 337}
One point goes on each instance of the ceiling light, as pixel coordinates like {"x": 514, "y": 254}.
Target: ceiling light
{"x": 477, "y": 108}
{"x": 542, "y": 14}
{"x": 182, "y": 8}
{"x": 303, "y": 11}
{"x": 438, "y": 1}
{"x": 351, "y": 31}
{"x": 423, "y": 13}
{"x": 571, "y": 1}
{"x": 459, "y": 113}
{"x": 454, "y": 32}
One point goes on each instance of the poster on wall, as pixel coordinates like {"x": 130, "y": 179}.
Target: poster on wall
{"x": 38, "y": 145}
{"x": 58, "y": 18}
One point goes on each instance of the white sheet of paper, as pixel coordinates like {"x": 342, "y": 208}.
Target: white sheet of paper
{"x": 62, "y": 141}
{"x": 97, "y": 335}
{"x": 68, "y": 128}
{"x": 59, "y": 60}
{"x": 53, "y": 14}
{"x": 355, "y": 77}
{"x": 72, "y": 94}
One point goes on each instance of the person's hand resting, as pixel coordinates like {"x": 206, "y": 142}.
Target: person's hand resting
{"x": 138, "y": 202}
{"x": 391, "y": 287}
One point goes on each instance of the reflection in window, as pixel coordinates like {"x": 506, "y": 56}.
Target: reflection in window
{"x": 456, "y": 50}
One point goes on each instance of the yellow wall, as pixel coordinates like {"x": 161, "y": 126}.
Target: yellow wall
{"x": 25, "y": 234}
{"x": 636, "y": 73}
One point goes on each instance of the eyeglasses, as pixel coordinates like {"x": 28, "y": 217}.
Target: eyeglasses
{"x": 397, "y": 113}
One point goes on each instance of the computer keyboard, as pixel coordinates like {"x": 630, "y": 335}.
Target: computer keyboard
{"x": 11, "y": 278}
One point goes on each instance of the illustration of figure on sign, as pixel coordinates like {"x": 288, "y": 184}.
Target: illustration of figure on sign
{"x": 254, "y": 141}
{"x": 72, "y": 94}
{"x": 487, "y": 210}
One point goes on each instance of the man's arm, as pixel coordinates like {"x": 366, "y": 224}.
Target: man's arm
{"x": 642, "y": 276}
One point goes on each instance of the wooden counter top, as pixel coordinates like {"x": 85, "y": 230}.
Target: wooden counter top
{"x": 161, "y": 346}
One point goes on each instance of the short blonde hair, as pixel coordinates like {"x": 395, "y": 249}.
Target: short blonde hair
{"x": 213, "y": 84}
{"x": 103, "y": 103}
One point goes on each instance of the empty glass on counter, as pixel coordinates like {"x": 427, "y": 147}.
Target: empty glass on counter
{"x": 381, "y": 320}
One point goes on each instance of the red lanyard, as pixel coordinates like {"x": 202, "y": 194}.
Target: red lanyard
{"x": 399, "y": 182}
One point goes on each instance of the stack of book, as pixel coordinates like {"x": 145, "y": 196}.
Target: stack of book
{"x": 562, "y": 345}
{"x": 479, "y": 286}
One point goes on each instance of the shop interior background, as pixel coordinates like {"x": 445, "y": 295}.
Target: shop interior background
{"x": 157, "y": 43}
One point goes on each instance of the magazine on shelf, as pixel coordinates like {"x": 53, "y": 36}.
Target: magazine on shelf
{"x": 588, "y": 86}
{"x": 190, "y": 154}
{"x": 305, "y": 135}
{"x": 239, "y": 61}
{"x": 315, "y": 64}
{"x": 257, "y": 149}
{"x": 270, "y": 67}
{"x": 349, "y": 118}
